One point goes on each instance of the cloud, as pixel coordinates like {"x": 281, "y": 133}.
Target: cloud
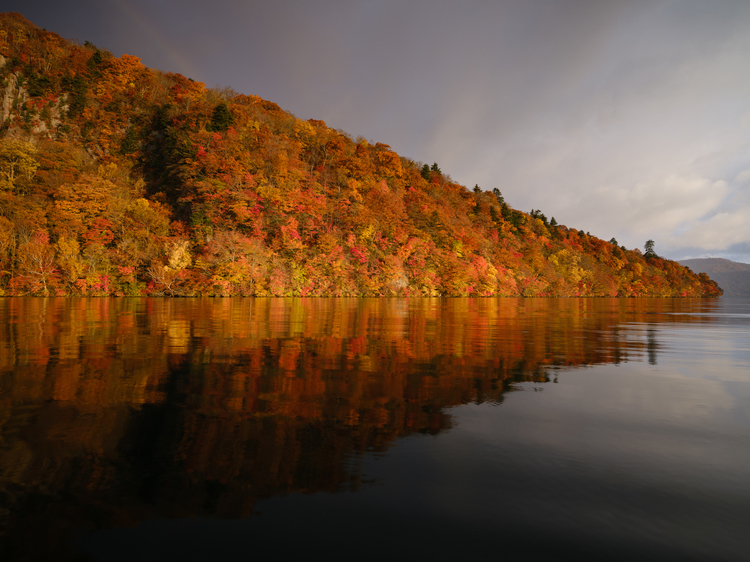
{"x": 720, "y": 232}
{"x": 743, "y": 177}
{"x": 647, "y": 140}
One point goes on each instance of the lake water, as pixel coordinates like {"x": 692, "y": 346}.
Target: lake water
{"x": 514, "y": 429}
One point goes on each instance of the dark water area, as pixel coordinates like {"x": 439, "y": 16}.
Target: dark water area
{"x": 516, "y": 429}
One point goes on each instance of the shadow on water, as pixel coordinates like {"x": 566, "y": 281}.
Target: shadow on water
{"x": 120, "y": 411}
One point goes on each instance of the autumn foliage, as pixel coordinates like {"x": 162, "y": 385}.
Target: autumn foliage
{"x": 116, "y": 179}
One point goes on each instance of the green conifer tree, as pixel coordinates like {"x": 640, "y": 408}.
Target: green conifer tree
{"x": 221, "y": 119}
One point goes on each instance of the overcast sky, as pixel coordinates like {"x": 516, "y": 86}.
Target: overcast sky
{"x": 622, "y": 118}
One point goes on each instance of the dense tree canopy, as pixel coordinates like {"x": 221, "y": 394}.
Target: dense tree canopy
{"x": 116, "y": 179}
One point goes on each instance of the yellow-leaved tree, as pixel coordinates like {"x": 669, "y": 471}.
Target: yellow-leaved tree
{"x": 17, "y": 162}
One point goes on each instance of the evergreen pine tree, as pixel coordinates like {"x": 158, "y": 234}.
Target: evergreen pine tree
{"x": 221, "y": 119}
{"x": 649, "y": 247}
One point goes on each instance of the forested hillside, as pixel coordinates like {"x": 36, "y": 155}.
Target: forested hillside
{"x": 117, "y": 179}
{"x": 734, "y": 277}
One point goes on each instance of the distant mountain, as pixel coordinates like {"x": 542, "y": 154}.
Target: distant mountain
{"x": 117, "y": 179}
{"x": 732, "y": 276}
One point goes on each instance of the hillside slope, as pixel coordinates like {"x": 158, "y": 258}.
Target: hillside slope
{"x": 732, "y": 276}
{"x": 116, "y": 179}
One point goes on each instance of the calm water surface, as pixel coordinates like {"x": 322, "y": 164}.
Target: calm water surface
{"x": 517, "y": 429}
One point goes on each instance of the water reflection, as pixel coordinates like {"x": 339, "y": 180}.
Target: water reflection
{"x": 115, "y": 411}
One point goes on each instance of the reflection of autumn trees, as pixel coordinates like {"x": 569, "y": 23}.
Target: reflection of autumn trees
{"x": 322, "y": 344}
{"x": 377, "y": 368}
{"x": 178, "y": 407}
{"x": 125, "y": 162}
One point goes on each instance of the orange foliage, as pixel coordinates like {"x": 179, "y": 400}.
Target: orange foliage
{"x": 264, "y": 203}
